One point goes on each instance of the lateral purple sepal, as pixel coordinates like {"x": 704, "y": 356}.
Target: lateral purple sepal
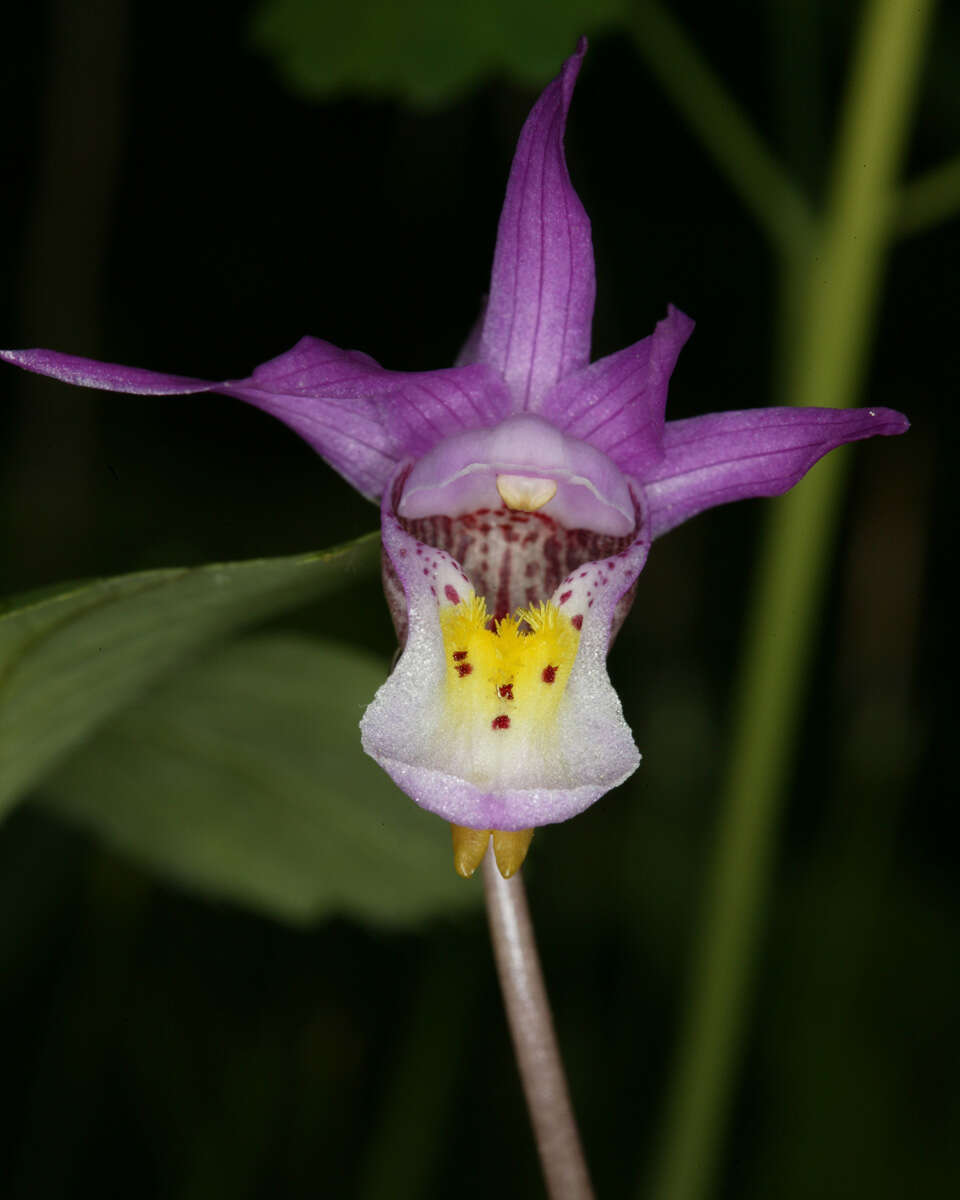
{"x": 362, "y": 418}
{"x": 728, "y": 456}
{"x": 537, "y": 324}
{"x": 617, "y": 403}
{"x": 110, "y": 377}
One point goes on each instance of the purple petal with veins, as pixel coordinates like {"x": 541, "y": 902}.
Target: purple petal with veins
{"x": 363, "y": 418}
{"x": 617, "y": 403}
{"x": 470, "y": 350}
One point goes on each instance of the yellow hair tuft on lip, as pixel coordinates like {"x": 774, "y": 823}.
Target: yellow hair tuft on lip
{"x": 505, "y": 684}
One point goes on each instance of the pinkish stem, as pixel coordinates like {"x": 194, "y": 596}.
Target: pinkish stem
{"x": 534, "y": 1040}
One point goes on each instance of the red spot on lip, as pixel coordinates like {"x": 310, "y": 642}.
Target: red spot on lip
{"x": 577, "y": 621}
{"x": 549, "y": 674}
{"x": 451, "y": 594}
{"x": 505, "y": 691}
{"x": 459, "y": 655}
{"x": 464, "y": 668}
{"x": 501, "y": 722}
{"x": 565, "y": 597}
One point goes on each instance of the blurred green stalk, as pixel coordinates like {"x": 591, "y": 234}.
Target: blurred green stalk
{"x": 724, "y": 130}
{"x": 831, "y": 293}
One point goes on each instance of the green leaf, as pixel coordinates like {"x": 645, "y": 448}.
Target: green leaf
{"x": 424, "y": 51}
{"x": 244, "y": 779}
{"x": 69, "y": 661}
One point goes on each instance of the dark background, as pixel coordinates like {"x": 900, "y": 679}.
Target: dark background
{"x": 169, "y": 203}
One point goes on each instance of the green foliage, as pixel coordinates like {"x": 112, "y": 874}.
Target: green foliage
{"x": 243, "y": 777}
{"x": 424, "y": 51}
{"x": 71, "y": 660}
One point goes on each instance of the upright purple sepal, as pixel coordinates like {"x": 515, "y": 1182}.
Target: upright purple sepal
{"x": 537, "y": 324}
{"x": 728, "y": 456}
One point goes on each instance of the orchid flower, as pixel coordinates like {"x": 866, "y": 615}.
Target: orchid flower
{"x": 519, "y": 493}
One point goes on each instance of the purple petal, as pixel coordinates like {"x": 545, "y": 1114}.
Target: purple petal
{"x": 424, "y": 408}
{"x": 364, "y": 419}
{"x": 617, "y": 403}
{"x": 110, "y": 377}
{"x": 470, "y": 350}
{"x": 460, "y": 476}
{"x": 537, "y": 324}
{"x": 728, "y": 456}
{"x": 432, "y": 755}
{"x": 360, "y": 417}
{"x": 325, "y": 395}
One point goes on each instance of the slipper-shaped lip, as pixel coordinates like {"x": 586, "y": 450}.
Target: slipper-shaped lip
{"x": 588, "y": 750}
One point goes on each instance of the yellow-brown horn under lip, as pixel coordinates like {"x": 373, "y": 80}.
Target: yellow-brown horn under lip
{"x": 469, "y": 847}
{"x": 511, "y": 849}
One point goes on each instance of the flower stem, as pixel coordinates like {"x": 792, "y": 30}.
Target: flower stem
{"x": 534, "y": 1040}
